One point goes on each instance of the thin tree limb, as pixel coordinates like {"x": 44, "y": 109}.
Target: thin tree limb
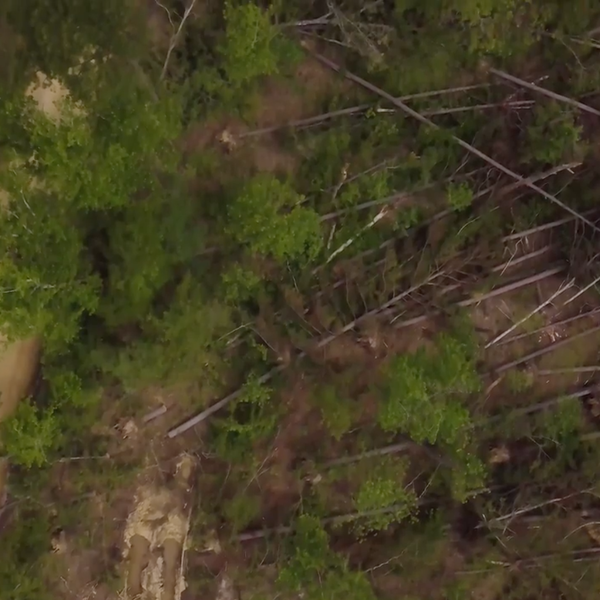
{"x": 590, "y": 369}
{"x": 504, "y": 190}
{"x": 517, "y": 261}
{"x": 561, "y": 289}
{"x": 540, "y": 406}
{"x": 540, "y": 90}
{"x": 575, "y": 556}
{"x": 349, "y": 242}
{"x": 220, "y": 404}
{"x": 353, "y": 110}
{"x": 516, "y": 338}
{"x": 585, "y": 289}
{"x": 481, "y": 297}
{"x": 553, "y": 224}
{"x": 175, "y": 37}
{"x": 346, "y": 460}
{"x": 419, "y": 117}
{"x": 546, "y": 350}
{"x": 322, "y": 20}
{"x": 527, "y": 509}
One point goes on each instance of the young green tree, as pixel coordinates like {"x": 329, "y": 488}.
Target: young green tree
{"x": 267, "y": 218}
{"x": 317, "y": 571}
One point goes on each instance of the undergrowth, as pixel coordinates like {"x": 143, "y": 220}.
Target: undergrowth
{"x": 146, "y": 258}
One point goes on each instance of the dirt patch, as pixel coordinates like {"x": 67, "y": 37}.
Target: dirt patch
{"x": 18, "y": 365}
{"x": 48, "y": 94}
{"x": 156, "y": 537}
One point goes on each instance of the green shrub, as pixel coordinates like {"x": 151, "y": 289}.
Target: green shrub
{"x": 385, "y": 488}
{"x": 29, "y": 435}
{"x": 553, "y": 137}
{"x": 316, "y": 571}
{"x": 267, "y": 218}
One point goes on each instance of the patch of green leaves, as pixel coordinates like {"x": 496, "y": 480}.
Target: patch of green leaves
{"x": 24, "y": 545}
{"x": 460, "y": 196}
{"x": 267, "y": 218}
{"x": 336, "y": 409}
{"x": 316, "y": 571}
{"x": 29, "y": 434}
{"x": 553, "y": 136}
{"x": 420, "y": 387}
{"x": 384, "y": 488}
{"x": 252, "y": 418}
{"x": 422, "y": 398}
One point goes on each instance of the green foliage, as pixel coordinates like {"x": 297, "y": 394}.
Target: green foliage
{"x": 252, "y": 418}
{"x": 336, "y": 410}
{"x": 460, "y": 196}
{"x": 29, "y": 434}
{"x": 67, "y": 180}
{"x": 239, "y": 284}
{"x": 176, "y": 346}
{"x": 249, "y": 49}
{"x": 316, "y": 571}
{"x": 384, "y": 488}
{"x": 419, "y": 393}
{"x": 518, "y": 381}
{"x": 553, "y": 137}
{"x": 267, "y": 218}
{"x": 561, "y": 422}
{"x": 422, "y": 399}
{"x": 242, "y": 510}
{"x": 24, "y": 545}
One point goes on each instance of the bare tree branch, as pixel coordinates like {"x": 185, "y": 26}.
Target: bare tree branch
{"x": 546, "y": 350}
{"x": 540, "y": 90}
{"x": 591, "y": 369}
{"x": 521, "y": 336}
{"x": 527, "y": 509}
{"x": 585, "y": 289}
{"x": 419, "y": 117}
{"x": 561, "y": 289}
{"x": 154, "y": 414}
{"x": 346, "y": 460}
{"x": 475, "y": 299}
{"x": 175, "y": 37}
{"x": 513, "y": 262}
{"x": 553, "y": 224}
{"x": 355, "y": 109}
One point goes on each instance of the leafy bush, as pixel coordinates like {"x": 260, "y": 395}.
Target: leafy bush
{"x": 336, "y": 410}
{"x": 314, "y": 570}
{"x": 24, "y": 545}
{"x": 385, "y": 488}
{"x": 29, "y": 434}
{"x": 267, "y": 218}
{"x": 420, "y": 388}
{"x": 249, "y": 48}
{"x": 252, "y": 418}
{"x": 175, "y": 346}
{"x": 460, "y": 196}
{"x": 553, "y": 137}
{"x": 422, "y": 399}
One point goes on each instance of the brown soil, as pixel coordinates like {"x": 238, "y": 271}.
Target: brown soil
{"x": 156, "y": 536}
{"x": 18, "y": 366}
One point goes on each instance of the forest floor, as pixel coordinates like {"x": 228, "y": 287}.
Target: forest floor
{"x": 416, "y": 410}
{"x": 149, "y": 519}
